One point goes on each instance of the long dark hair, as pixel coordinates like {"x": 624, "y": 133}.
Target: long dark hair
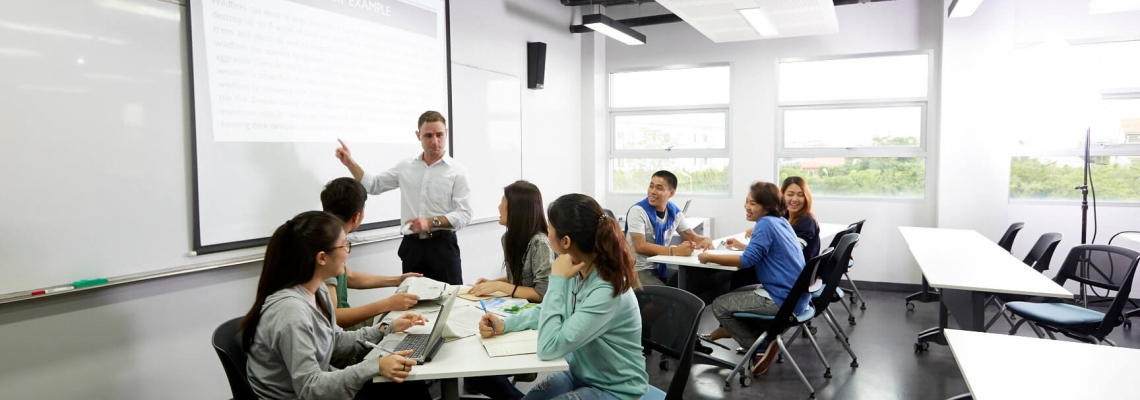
{"x": 793, "y": 218}
{"x": 770, "y": 198}
{"x": 290, "y": 260}
{"x": 524, "y": 220}
{"x": 583, "y": 220}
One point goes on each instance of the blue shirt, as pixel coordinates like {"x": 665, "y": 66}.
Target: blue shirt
{"x": 774, "y": 253}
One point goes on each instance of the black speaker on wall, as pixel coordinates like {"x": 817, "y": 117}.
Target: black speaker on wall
{"x": 535, "y": 64}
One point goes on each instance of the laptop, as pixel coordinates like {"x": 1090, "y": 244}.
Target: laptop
{"x": 423, "y": 346}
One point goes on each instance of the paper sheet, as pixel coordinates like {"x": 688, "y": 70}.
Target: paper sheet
{"x": 510, "y": 344}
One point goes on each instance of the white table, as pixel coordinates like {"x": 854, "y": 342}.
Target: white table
{"x": 966, "y": 266}
{"x": 1017, "y": 367}
{"x": 467, "y": 358}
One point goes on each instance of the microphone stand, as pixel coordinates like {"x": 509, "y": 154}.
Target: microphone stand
{"x": 1084, "y": 188}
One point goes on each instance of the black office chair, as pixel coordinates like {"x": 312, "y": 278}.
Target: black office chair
{"x": 1039, "y": 257}
{"x": 1006, "y": 241}
{"x": 609, "y": 213}
{"x": 853, "y": 228}
{"x": 669, "y": 320}
{"x": 776, "y": 325}
{"x": 1108, "y": 267}
{"x": 227, "y": 343}
{"x": 858, "y": 226}
{"x": 1135, "y": 311}
{"x": 831, "y": 271}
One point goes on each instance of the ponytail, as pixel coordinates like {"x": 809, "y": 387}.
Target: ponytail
{"x": 611, "y": 250}
{"x": 583, "y": 220}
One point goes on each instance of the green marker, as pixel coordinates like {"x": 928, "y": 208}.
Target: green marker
{"x": 89, "y": 283}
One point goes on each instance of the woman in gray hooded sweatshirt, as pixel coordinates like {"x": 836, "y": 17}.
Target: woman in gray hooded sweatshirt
{"x": 291, "y": 333}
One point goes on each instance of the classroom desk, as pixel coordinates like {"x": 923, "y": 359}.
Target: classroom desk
{"x": 1017, "y": 367}
{"x": 467, "y": 358}
{"x": 966, "y": 267}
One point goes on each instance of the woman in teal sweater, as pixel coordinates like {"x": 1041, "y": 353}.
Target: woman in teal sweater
{"x": 589, "y": 310}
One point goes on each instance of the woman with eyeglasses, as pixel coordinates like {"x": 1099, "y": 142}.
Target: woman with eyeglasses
{"x": 290, "y": 332}
{"x": 589, "y": 311}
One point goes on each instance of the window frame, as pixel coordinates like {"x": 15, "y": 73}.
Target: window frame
{"x": 924, "y": 150}
{"x": 1096, "y": 150}
{"x": 613, "y": 153}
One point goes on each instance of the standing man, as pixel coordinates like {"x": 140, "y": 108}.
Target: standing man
{"x": 651, "y": 223}
{"x": 434, "y": 202}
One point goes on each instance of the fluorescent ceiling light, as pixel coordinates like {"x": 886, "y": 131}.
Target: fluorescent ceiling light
{"x": 1113, "y": 6}
{"x": 963, "y": 8}
{"x": 616, "y": 30}
{"x": 759, "y": 21}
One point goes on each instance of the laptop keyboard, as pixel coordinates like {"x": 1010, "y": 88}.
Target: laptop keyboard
{"x": 415, "y": 342}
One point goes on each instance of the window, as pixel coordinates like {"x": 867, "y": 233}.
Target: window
{"x": 1093, "y": 87}
{"x": 855, "y": 126}
{"x": 673, "y": 119}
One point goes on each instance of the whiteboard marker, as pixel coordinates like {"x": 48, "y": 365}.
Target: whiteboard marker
{"x": 52, "y": 290}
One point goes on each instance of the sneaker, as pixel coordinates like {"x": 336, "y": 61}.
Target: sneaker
{"x": 761, "y": 361}
{"x": 531, "y": 377}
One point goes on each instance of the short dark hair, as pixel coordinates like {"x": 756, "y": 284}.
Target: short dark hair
{"x": 430, "y": 116}
{"x": 344, "y": 198}
{"x": 668, "y": 177}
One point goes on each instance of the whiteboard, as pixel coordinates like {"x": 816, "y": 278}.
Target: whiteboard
{"x": 95, "y": 161}
{"x": 486, "y": 131}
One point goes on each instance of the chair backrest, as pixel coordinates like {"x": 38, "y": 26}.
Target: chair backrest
{"x": 834, "y": 268}
{"x": 786, "y": 316}
{"x": 853, "y": 228}
{"x": 858, "y": 225}
{"x": 1041, "y": 255}
{"x": 1006, "y": 241}
{"x": 609, "y": 213}
{"x": 669, "y": 320}
{"x": 1108, "y": 267}
{"x": 227, "y": 343}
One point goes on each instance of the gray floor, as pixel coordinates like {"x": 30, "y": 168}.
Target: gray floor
{"x": 883, "y": 338}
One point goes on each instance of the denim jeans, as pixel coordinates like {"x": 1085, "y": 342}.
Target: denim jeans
{"x": 564, "y": 386}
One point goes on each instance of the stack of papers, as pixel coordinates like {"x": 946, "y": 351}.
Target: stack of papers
{"x": 511, "y": 344}
{"x": 425, "y": 288}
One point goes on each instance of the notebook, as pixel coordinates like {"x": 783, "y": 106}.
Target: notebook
{"x": 511, "y": 344}
{"x": 464, "y": 293}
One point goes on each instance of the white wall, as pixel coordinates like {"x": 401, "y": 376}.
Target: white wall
{"x": 901, "y": 25}
{"x": 151, "y": 340}
{"x": 977, "y": 99}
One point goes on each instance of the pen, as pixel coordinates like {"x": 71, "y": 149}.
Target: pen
{"x": 53, "y": 290}
{"x": 369, "y": 344}
{"x": 489, "y": 322}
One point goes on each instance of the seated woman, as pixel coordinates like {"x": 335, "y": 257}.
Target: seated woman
{"x": 799, "y": 215}
{"x": 290, "y": 333}
{"x": 589, "y": 309}
{"x": 527, "y": 258}
{"x": 775, "y": 257}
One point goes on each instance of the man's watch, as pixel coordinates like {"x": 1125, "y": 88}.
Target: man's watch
{"x": 435, "y": 222}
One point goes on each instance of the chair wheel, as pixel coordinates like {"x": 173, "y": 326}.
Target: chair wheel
{"x": 852, "y": 299}
{"x": 921, "y": 347}
{"x": 727, "y": 387}
{"x": 779, "y": 359}
{"x": 863, "y": 306}
{"x": 854, "y": 364}
{"x": 1127, "y": 324}
{"x": 827, "y": 374}
{"x": 813, "y": 330}
{"x": 745, "y": 380}
{"x": 850, "y": 320}
{"x": 664, "y": 365}
{"x": 910, "y": 306}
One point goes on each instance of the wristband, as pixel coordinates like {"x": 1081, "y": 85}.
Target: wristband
{"x": 513, "y": 291}
{"x": 670, "y": 250}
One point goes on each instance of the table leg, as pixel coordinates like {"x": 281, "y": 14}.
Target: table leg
{"x": 968, "y": 309}
{"x": 449, "y": 389}
{"x": 683, "y": 278}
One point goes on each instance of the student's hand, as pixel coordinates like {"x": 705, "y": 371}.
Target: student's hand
{"x": 489, "y": 320}
{"x": 401, "y": 278}
{"x": 734, "y": 244}
{"x": 685, "y": 249}
{"x": 566, "y": 265}
{"x": 344, "y": 154}
{"x": 396, "y": 366}
{"x": 705, "y": 244}
{"x": 408, "y": 320}
{"x": 481, "y": 280}
{"x": 748, "y": 233}
{"x": 486, "y": 288}
{"x": 400, "y": 301}
{"x": 420, "y": 224}
{"x": 703, "y": 258}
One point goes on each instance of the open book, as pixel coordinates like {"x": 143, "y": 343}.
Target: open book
{"x": 511, "y": 344}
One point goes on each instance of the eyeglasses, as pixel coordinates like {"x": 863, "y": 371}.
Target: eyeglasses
{"x": 347, "y": 247}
